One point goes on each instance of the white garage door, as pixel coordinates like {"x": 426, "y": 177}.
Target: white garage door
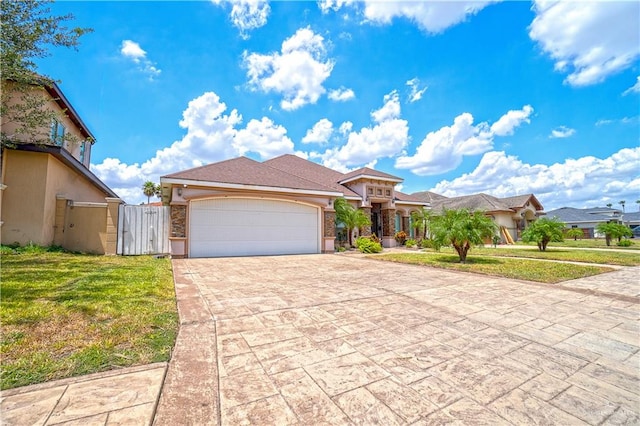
{"x": 249, "y": 226}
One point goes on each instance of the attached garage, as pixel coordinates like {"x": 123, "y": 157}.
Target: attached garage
{"x": 252, "y": 226}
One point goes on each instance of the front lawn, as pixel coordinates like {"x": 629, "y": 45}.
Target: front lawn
{"x": 522, "y": 269}
{"x": 553, "y": 253}
{"x": 66, "y": 314}
{"x": 589, "y": 243}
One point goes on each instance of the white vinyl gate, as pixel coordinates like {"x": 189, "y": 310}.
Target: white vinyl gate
{"x": 143, "y": 230}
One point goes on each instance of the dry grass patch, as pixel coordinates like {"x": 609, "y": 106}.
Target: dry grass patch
{"x": 66, "y": 314}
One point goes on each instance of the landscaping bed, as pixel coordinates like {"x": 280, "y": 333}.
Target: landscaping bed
{"x": 65, "y": 314}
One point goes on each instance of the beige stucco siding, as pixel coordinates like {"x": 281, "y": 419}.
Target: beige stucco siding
{"x": 33, "y": 182}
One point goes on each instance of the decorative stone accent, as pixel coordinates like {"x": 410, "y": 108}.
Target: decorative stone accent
{"x": 179, "y": 221}
{"x": 388, "y": 222}
{"x": 366, "y": 231}
{"x": 329, "y": 224}
{"x": 406, "y": 224}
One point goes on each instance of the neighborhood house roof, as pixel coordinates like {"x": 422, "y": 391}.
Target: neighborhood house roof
{"x": 573, "y": 215}
{"x": 480, "y": 201}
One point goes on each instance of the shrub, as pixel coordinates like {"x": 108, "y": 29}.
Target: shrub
{"x": 625, "y": 243}
{"x": 411, "y": 243}
{"x": 400, "y": 237}
{"x": 368, "y": 245}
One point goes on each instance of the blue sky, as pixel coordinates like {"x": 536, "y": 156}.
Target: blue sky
{"x": 458, "y": 97}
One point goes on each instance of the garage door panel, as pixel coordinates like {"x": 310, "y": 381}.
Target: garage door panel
{"x": 237, "y": 227}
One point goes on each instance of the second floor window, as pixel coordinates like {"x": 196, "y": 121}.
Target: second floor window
{"x": 57, "y": 133}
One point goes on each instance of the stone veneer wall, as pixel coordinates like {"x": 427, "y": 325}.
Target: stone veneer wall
{"x": 366, "y": 231}
{"x": 329, "y": 224}
{"x": 179, "y": 221}
{"x": 388, "y": 222}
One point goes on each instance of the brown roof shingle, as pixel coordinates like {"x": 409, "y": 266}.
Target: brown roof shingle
{"x": 244, "y": 171}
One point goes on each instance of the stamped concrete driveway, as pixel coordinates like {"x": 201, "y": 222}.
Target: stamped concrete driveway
{"x": 340, "y": 339}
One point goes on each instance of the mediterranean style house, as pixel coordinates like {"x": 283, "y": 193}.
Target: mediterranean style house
{"x": 48, "y": 195}
{"x": 242, "y": 207}
{"x": 511, "y": 214}
{"x": 588, "y": 219}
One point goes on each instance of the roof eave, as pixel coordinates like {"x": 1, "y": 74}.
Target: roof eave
{"x": 357, "y": 177}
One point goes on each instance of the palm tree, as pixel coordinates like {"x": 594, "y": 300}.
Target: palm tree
{"x": 421, "y": 220}
{"x": 149, "y": 189}
{"x": 462, "y": 229}
{"x": 609, "y": 205}
{"x": 622, "y": 202}
{"x": 638, "y": 203}
{"x": 350, "y": 217}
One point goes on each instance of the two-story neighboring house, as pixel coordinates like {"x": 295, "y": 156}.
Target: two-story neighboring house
{"x": 48, "y": 195}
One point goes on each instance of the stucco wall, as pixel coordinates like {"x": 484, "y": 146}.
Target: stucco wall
{"x": 33, "y": 181}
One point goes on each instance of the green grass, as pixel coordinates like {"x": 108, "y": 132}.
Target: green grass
{"x": 589, "y": 243}
{"x": 522, "y": 269}
{"x": 553, "y": 253}
{"x": 66, "y": 314}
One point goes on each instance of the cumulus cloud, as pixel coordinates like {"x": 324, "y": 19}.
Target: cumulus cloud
{"x": 562, "y": 132}
{"x": 341, "y": 94}
{"x": 132, "y": 50}
{"x": 297, "y": 72}
{"x": 388, "y": 137}
{"x": 212, "y": 134}
{"x": 443, "y": 149}
{"x": 582, "y": 182}
{"x": 319, "y": 133}
{"x": 580, "y": 38}
{"x": 431, "y": 17}
{"x": 506, "y": 125}
{"x": 633, "y": 89}
{"x": 415, "y": 93}
{"x": 246, "y": 15}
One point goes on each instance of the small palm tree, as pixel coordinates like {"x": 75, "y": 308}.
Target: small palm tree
{"x": 462, "y": 229}
{"x": 421, "y": 220}
{"x": 609, "y": 205}
{"x": 638, "y": 203}
{"x": 622, "y": 203}
{"x": 149, "y": 189}
{"x": 350, "y": 217}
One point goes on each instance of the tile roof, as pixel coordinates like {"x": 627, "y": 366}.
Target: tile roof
{"x": 401, "y": 196}
{"x": 483, "y": 202}
{"x": 369, "y": 172}
{"x": 571, "y": 214}
{"x": 309, "y": 170}
{"x": 244, "y": 171}
{"x": 428, "y": 196}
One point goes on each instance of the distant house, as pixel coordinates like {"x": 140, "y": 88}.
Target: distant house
{"x": 511, "y": 214}
{"x": 48, "y": 195}
{"x": 588, "y": 219}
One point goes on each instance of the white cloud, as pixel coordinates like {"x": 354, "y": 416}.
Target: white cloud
{"x": 633, "y": 89}
{"x": 341, "y": 94}
{"x": 443, "y": 149}
{"x": 562, "y": 132}
{"x": 132, "y": 50}
{"x": 582, "y": 182}
{"x": 297, "y": 73}
{"x": 506, "y": 125}
{"x": 345, "y": 127}
{"x": 432, "y": 17}
{"x": 211, "y": 135}
{"x": 623, "y": 120}
{"x": 589, "y": 40}
{"x": 415, "y": 93}
{"x": 247, "y": 15}
{"x": 320, "y": 133}
{"x": 390, "y": 109}
{"x": 387, "y": 138}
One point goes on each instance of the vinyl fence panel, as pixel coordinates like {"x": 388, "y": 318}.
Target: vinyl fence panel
{"x": 143, "y": 230}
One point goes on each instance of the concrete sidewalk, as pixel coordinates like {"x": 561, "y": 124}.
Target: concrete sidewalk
{"x": 117, "y": 397}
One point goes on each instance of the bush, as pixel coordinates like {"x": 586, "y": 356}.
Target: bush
{"x": 400, "y": 237}
{"x": 411, "y": 243}
{"x": 368, "y": 245}
{"x": 625, "y": 243}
